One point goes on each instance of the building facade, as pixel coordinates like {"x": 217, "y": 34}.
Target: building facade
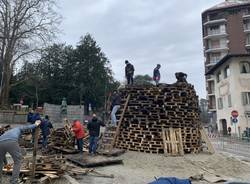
{"x": 226, "y": 31}
{"x": 232, "y": 92}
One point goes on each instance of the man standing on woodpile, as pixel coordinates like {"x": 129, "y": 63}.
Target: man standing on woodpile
{"x": 45, "y": 129}
{"x": 115, "y": 105}
{"x": 157, "y": 74}
{"x": 129, "y": 72}
{"x": 94, "y": 132}
{"x": 78, "y": 129}
{"x": 9, "y": 143}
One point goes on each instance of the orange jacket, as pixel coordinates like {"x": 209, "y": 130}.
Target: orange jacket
{"x": 78, "y": 129}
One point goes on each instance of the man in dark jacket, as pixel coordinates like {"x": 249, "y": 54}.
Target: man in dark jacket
{"x": 129, "y": 72}
{"x": 35, "y": 117}
{"x": 29, "y": 116}
{"x": 45, "y": 129}
{"x": 94, "y": 132}
{"x": 116, "y": 102}
{"x": 157, "y": 74}
{"x": 9, "y": 143}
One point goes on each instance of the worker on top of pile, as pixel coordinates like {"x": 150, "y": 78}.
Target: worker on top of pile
{"x": 9, "y": 143}
{"x": 45, "y": 129}
{"x": 94, "y": 132}
{"x": 157, "y": 74}
{"x": 115, "y": 105}
{"x": 129, "y": 72}
{"x": 78, "y": 129}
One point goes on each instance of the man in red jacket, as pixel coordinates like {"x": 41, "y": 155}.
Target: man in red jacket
{"x": 77, "y": 128}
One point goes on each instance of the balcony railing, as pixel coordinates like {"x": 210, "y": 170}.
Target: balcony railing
{"x": 209, "y": 22}
{"x": 216, "y": 49}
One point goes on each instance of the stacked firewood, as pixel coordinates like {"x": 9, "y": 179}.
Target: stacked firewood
{"x": 152, "y": 109}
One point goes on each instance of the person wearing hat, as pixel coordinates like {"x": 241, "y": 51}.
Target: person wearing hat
{"x": 9, "y": 143}
{"x": 45, "y": 129}
{"x": 129, "y": 72}
{"x": 157, "y": 74}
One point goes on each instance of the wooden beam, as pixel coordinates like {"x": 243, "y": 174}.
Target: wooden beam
{"x": 33, "y": 170}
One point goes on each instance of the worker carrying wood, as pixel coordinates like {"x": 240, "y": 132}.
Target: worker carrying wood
{"x": 78, "y": 129}
{"x": 9, "y": 143}
{"x": 129, "y": 72}
{"x": 157, "y": 74}
{"x": 115, "y": 106}
{"x": 94, "y": 132}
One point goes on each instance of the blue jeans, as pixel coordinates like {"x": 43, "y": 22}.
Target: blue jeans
{"x": 113, "y": 117}
{"x": 93, "y": 144}
{"x": 45, "y": 141}
{"x": 79, "y": 145}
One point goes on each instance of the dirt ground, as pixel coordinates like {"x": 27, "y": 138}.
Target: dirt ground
{"x": 141, "y": 168}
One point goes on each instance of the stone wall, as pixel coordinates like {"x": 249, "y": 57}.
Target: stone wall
{"x": 54, "y": 112}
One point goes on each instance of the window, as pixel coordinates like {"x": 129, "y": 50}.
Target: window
{"x": 246, "y": 24}
{"x": 220, "y": 103}
{"x": 248, "y": 39}
{"x": 215, "y": 57}
{"x": 229, "y": 98}
{"x": 219, "y": 76}
{"x": 214, "y": 44}
{"x": 246, "y": 98}
{"x": 245, "y": 67}
{"x": 226, "y": 72}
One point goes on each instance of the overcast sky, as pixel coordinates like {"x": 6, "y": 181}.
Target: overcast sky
{"x": 146, "y": 32}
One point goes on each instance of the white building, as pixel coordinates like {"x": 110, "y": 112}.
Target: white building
{"x": 231, "y": 78}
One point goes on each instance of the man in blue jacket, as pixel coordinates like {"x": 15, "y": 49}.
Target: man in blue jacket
{"x": 9, "y": 143}
{"x": 45, "y": 129}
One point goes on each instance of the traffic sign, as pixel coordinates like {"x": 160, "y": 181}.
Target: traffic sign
{"x": 234, "y": 114}
{"x": 234, "y": 120}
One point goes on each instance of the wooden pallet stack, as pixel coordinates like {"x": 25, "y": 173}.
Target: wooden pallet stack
{"x": 151, "y": 109}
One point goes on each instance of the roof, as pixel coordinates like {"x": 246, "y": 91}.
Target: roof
{"x": 229, "y": 4}
{"x": 224, "y": 60}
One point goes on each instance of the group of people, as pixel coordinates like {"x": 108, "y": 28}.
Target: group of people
{"x": 129, "y": 73}
{"x": 9, "y": 141}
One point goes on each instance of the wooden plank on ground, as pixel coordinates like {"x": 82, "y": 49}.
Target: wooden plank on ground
{"x": 207, "y": 141}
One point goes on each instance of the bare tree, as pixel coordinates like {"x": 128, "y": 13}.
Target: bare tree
{"x": 25, "y": 27}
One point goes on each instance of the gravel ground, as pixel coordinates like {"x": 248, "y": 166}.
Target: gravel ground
{"x": 141, "y": 168}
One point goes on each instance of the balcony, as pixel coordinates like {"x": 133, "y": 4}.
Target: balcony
{"x": 217, "y": 21}
{"x": 211, "y": 64}
{"x": 246, "y": 16}
{"x": 216, "y": 35}
{"x": 217, "y": 49}
{"x": 247, "y": 28}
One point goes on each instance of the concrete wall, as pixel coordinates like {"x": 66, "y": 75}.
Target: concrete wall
{"x": 54, "y": 112}
{"x": 233, "y": 85}
{"x": 10, "y": 117}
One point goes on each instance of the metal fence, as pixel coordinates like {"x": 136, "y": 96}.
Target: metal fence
{"x": 232, "y": 144}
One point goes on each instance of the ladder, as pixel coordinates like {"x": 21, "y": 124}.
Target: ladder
{"x": 112, "y": 133}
